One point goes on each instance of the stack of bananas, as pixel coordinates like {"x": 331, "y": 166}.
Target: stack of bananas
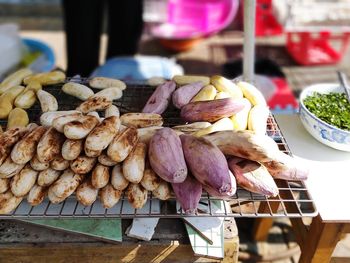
{"x": 20, "y": 90}
{"x": 252, "y": 117}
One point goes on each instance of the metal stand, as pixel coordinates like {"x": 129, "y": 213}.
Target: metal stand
{"x": 249, "y": 40}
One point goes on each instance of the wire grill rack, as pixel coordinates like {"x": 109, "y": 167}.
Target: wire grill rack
{"x": 292, "y": 201}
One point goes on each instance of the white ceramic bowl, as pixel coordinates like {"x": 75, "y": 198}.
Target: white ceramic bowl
{"x": 327, "y": 134}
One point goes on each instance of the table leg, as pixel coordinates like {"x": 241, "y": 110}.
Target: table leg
{"x": 320, "y": 241}
{"x": 262, "y": 226}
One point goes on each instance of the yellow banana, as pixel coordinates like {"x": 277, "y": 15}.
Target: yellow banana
{"x": 47, "y": 78}
{"x": 224, "y": 124}
{"x": 192, "y": 127}
{"x": 33, "y": 85}
{"x": 6, "y": 100}
{"x": 26, "y": 99}
{"x": 257, "y": 119}
{"x": 187, "y": 79}
{"x": 17, "y": 118}
{"x": 252, "y": 93}
{"x": 206, "y": 93}
{"x": 14, "y": 79}
{"x": 222, "y": 95}
{"x": 240, "y": 119}
{"x": 226, "y": 85}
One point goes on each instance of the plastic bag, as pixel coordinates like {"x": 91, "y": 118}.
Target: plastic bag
{"x": 10, "y": 48}
{"x": 138, "y": 68}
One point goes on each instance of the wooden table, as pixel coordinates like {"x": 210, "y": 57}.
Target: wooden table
{"x": 23, "y": 242}
{"x": 329, "y": 186}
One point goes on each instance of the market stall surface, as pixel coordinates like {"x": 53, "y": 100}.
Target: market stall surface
{"x": 207, "y": 57}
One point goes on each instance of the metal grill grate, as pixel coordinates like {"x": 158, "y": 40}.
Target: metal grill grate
{"x": 293, "y": 199}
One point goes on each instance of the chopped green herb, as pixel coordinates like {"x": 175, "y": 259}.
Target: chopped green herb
{"x": 333, "y": 108}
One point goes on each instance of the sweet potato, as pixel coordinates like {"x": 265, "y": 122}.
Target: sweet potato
{"x": 188, "y": 194}
{"x": 211, "y": 110}
{"x": 207, "y": 163}
{"x": 184, "y": 94}
{"x": 214, "y": 193}
{"x": 160, "y": 98}
{"x": 166, "y": 156}
{"x": 253, "y": 176}
{"x": 286, "y": 167}
{"x": 245, "y": 144}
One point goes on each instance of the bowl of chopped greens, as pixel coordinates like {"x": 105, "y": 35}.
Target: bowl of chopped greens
{"x": 325, "y": 114}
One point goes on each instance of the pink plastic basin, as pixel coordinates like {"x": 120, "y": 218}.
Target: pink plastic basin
{"x": 196, "y": 18}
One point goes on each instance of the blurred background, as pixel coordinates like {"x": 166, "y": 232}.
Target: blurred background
{"x": 294, "y": 48}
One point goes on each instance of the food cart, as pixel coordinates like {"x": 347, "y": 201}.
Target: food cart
{"x": 293, "y": 201}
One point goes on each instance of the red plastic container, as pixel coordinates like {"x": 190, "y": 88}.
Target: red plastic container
{"x": 283, "y": 100}
{"x": 316, "y": 48}
{"x": 266, "y": 23}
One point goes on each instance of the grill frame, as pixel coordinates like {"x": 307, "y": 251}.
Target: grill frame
{"x": 293, "y": 200}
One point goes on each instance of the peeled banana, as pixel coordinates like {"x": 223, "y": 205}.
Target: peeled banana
{"x": 17, "y": 118}
{"x": 187, "y": 79}
{"x": 47, "y": 101}
{"x": 225, "y": 124}
{"x": 47, "y": 78}
{"x": 206, "y": 93}
{"x": 14, "y": 79}
{"x": 192, "y": 127}
{"x": 222, "y": 95}
{"x": 6, "y": 100}
{"x": 77, "y": 90}
{"x": 257, "y": 119}
{"x": 240, "y": 119}
{"x": 252, "y": 93}
{"x": 226, "y": 85}
{"x": 26, "y": 99}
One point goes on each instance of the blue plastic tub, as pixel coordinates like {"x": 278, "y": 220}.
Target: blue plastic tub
{"x": 46, "y": 62}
